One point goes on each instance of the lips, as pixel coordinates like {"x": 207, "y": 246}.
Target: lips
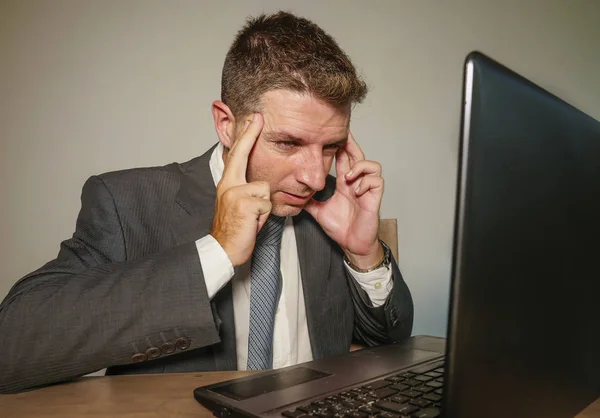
{"x": 295, "y": 198}
{"x": 298, "y": 195}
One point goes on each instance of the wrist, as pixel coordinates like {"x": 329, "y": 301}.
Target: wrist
{"x": 369, "y": 261}
{"x": 233, "y": 256}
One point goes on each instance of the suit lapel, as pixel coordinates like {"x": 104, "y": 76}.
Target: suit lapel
{"x": 196, "y": 196}
{"x": 314, "y": 253}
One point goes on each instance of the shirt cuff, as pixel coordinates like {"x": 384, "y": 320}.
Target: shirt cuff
{"x": 216, "y": 266}
{"x": 377, "y": 284}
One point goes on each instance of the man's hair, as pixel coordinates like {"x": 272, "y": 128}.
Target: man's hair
{"x": 283, "y": 51}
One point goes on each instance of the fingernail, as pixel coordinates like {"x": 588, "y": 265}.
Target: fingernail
{"x": 349, "y": 173}
{"x": 357, "y": 188}
{"x": 255, "y": 117}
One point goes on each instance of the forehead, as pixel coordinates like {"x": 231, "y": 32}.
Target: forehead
{"x": 303, "y": 116}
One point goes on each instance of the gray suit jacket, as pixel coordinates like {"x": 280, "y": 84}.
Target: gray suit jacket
{"x": 127, "y": 291}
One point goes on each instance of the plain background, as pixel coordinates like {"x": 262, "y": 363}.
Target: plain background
{"x": 93, "y": 86}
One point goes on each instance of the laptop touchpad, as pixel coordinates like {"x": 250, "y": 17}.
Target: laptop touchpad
{"x": 278, "y": 380}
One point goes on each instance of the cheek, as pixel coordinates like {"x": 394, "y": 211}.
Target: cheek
{"x": 270, "y": 168}
{"x": 256, "y": 171}
{"x": 278, "y": 169}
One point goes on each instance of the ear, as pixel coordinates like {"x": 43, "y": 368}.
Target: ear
{"x": 224, "y": 123}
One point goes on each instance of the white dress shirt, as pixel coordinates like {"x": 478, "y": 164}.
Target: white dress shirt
{"x": 291, "y": 342}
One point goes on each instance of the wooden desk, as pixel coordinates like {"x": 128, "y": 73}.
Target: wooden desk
{"x": 141, "y": 396}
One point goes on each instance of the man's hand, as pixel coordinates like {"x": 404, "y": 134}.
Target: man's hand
{"x": 241, "y": 208}
{"x": 351, "y": 216}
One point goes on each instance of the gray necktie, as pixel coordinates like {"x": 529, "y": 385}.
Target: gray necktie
{"x": 264, "y": 293}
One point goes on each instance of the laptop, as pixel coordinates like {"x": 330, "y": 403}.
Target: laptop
{"x": 523, "y": 334}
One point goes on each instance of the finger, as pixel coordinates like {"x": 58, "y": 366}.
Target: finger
{"x": 233, "y": 194}
{"x": 237, "y": 158}
{"x": 342, "y": 162}
{"x": 261, "y": 221}
{"x": 259, "y": 206}
{"x": 252, "y": 127}
{"x": 353, "y": 150}
{"x": 369, "y": 183}
{"x": 364, "y": 167}
{"x": 259, "y": 189}
{"x": 254, "y": 207}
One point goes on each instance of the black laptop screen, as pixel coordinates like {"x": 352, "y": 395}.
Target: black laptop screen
{"x": 279, "y": 380}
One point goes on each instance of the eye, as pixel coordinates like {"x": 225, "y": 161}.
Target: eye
{"x": 331, "y": 148}
{"x": 286, "y": 144}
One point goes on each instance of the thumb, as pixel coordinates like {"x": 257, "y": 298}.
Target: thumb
{"x": 313, "y": 207}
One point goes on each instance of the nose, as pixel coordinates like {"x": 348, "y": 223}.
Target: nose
{"x": 312, "y": 171}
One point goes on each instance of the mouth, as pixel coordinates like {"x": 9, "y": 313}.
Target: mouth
{"x": 296, "y": 199}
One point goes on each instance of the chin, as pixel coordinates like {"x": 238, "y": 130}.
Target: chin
{"x": 285, "y": 210}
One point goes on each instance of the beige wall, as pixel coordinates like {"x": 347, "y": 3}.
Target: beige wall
{"x": 91, "y": 86}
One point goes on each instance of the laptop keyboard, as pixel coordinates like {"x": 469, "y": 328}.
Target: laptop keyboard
{"x": 413, "y": 394}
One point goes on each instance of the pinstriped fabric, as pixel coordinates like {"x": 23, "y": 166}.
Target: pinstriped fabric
{"x": 264, "y": 294}
{"x": 131, "y": 271}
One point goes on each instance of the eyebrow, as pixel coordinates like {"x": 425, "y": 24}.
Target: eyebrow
{"x": 286, "y": 137}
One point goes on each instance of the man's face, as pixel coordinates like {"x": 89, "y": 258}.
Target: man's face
{"x": 296, "y": 148}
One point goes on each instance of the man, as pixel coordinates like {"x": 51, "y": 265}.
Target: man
{"x": 249, "y": 256}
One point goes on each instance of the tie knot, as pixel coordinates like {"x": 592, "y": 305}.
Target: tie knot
{"x": 271, "y": 232}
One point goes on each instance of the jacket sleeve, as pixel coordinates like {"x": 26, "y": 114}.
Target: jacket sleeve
{"x": 388, "y": 323}
{"x": 91, "y": 309}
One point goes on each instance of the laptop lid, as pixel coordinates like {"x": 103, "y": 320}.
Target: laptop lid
{"x": 524, "y": 336}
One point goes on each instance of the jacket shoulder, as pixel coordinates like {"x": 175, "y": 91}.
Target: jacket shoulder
{"x": 140, "y": 173}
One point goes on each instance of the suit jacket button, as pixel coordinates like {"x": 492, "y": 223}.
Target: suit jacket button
{"x": 153, "y": 352}
{"x": 139, "y": 357}
{"x": 167, "y": 348}
{"x": 183, "y": 343}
